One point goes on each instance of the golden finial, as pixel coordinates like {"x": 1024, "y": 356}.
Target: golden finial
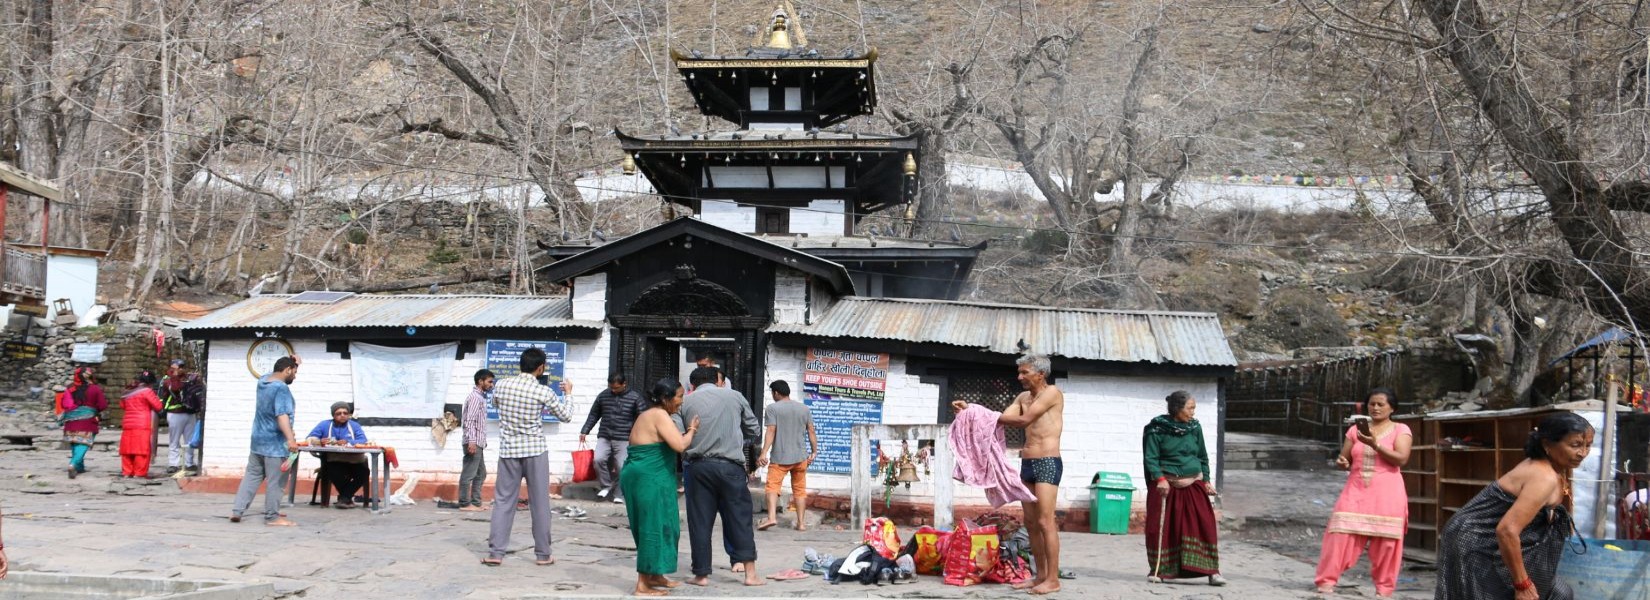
{"x": 629, "y": 164}
{"x": 784, "y": 29}
{"x": 910, "y": 164}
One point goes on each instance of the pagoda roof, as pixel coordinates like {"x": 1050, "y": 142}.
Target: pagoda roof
{"x": 744, "y": 140}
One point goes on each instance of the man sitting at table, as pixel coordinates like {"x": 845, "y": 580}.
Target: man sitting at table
{"x": 347, "y": 472}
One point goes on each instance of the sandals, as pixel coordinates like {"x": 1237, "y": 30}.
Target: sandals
{"x": 492, "y": 562}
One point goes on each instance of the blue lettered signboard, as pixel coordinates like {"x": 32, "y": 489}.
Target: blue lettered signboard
{"x": 842, "y": 389}
{"x": 503, "y": 358}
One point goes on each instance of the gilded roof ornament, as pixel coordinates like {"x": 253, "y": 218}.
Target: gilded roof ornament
{"x": 784, "y": 29}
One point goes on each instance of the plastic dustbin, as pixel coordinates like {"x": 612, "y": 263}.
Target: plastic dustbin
{"x": 1113, "y": 501}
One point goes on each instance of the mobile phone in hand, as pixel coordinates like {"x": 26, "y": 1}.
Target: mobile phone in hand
{"x": 1361, "y": 422}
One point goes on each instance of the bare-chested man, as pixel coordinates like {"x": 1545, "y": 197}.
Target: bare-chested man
{"x": 1041, "y": 411}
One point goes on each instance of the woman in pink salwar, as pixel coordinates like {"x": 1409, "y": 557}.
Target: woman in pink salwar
{"x": 1373, "y": 510}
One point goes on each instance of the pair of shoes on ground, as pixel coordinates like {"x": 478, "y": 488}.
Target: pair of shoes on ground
{"x": 605, "y": 492}
{"x": 814, "y": 563}
{"x": 573, "y": 512}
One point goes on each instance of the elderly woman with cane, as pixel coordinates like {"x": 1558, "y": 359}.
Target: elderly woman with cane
{"x": 1181, "y": 540}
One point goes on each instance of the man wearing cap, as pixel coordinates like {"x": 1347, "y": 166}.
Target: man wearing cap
{"x": 181, "y": 395}
{"x": 346, "y": 472}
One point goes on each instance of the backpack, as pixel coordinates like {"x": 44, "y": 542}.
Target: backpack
{"x": 193, "y": 395}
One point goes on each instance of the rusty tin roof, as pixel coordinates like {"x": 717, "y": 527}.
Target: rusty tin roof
{"x": 365, "y": 310}
{"x": 1193, "y": 339}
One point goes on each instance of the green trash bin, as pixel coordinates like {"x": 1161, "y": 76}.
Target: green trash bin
{"x": 1113, "y": 501}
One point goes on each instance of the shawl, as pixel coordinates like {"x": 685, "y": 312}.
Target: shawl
{"x": 1166, "y": 425}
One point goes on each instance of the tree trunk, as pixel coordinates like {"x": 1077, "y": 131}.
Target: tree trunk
{"x": 36, "y": 135}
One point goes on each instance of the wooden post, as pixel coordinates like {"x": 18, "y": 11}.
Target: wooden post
{"x": 944, "y": 466}
{"x": 1606, "y": 464}
{"x": 860, "y": 487}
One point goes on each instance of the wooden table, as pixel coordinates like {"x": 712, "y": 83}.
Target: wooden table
{"x": 378, "y": 473}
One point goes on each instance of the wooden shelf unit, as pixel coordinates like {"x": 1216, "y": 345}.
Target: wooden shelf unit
{"x": 1441, "y": 478}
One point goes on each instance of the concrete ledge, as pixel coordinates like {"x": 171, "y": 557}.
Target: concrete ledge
{"x": 27, "y": 585}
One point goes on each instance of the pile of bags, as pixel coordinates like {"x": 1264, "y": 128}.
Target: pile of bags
{"x": 991, "y": 549}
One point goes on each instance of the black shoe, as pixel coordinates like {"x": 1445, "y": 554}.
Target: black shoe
{"x": 73, "y": 473}
{"x": 172, "y": 471}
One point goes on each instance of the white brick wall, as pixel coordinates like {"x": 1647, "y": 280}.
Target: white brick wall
{"x": 590, "y": 297}
{"x": 790, "y": 297}
{"x": 1103, "y": 422}
{"x": 325, "y": 378}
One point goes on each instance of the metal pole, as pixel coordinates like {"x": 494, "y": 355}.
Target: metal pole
{"x": 1606, "y": 464}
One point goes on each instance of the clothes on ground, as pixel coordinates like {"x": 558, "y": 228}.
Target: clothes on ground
{"x": 616, "y": 413}
{"x": 1174, "y": 449}
{"x": 790, "y": 420}
{"x": 521, "y": 402}
{"x": 536, "y": 470}
{"x": 726, "y": 423}
{"x": 648, "y": 479}
{"x": 865, "y": 565}
{"x": 475, "y": 419}
{"x": 977, "y": 443}
{"x": 274, "y": 399}
{"x": 1181, "y": 538}
{"x": 1048, "y": 469}
{"x": 1469, "y": 556}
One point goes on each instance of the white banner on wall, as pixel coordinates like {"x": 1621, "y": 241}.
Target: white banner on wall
{"x": 409, "y": 383}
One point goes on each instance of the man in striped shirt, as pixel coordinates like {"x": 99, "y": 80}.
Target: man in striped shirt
{"x": 521, "y": 402}
{"x": 475, "y": 440}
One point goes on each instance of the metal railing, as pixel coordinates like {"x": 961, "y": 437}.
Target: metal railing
{"x": 1296, "y": 417}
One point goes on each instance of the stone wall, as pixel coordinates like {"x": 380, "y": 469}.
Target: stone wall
{"x": 130, "y": 348}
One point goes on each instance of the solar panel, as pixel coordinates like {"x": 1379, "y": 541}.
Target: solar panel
{"x": 319, "y": 297}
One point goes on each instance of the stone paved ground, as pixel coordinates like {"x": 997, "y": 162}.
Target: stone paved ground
{"x": 101, "y": 525}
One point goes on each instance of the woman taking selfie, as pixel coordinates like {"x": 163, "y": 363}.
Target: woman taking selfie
{"x": 1373, "y": 509}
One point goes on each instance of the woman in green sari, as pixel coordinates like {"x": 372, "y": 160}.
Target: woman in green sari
{"x": 648, "y": 480}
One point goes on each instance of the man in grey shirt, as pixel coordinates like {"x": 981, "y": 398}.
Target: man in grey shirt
{"x": 715, "y": 474}
{"x": 789, "y": 447}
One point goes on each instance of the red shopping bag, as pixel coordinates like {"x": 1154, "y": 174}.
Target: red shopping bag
{"x": 584, "y": 464}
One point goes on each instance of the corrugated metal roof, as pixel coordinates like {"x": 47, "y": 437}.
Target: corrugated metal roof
{"x": 486, "y": 312}
{"x": 1194, "y": 339}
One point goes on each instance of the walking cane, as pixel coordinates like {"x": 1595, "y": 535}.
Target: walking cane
{"x": 1162, "y": 519}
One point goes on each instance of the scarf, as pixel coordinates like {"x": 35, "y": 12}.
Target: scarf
{"x": 1166, "y": 425}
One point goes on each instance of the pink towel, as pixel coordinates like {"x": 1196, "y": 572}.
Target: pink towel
{"x": 977, "y": 442}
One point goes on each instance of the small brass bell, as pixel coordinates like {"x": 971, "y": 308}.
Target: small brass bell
{"x": 907, "y": 473}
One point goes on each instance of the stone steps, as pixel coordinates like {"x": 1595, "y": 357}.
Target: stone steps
{"x": 1263, "y": 452}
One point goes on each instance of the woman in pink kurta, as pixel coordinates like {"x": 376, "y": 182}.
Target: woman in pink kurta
{"x": 1373, "y": 510}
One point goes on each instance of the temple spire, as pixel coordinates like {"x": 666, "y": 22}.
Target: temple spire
{"x": 784, "y": 30}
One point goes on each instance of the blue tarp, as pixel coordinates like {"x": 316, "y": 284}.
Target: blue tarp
{"x": 1615, "y": 334}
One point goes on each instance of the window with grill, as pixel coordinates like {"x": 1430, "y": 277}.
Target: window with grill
{"x": 995, "y": 393}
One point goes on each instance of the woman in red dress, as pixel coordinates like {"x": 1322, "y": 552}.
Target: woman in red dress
{"x": 137, "y": 428}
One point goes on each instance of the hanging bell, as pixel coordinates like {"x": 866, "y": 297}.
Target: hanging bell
{"x": 907, "y": 473}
